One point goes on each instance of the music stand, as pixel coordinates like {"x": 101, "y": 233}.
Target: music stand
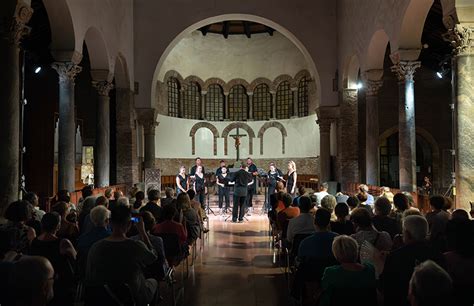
{"x": 264, "y": 180}
{"x": 209, "y": 182}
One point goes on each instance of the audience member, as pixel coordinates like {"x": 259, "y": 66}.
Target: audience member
{"x": 323, "y": 191}
{"x": 460, "y": 214}
{"x": 86, "y": 192}
{"x": 285, "y": 215}
{"x": 302, "y": 224}
{"x": 342, "y": 225}
{"x": 386, "y": 193}
{"x": 362, "y": 197}
{"x": 168, "y": 196}
{"x": 341, "y": 197}
{"x": 430, "y": 285}
{"x": 87, "y": 205}
{"x": 32, "y": 198}
{"x": 17, "y": 214}
{"x": 301, "y": 192}
{"x": 68, "y": 230}
{"x": 349, "y": 283}
{"x": 399, "y": 264}
{"x": 329, "y": 203}
{"x": 153, "y": 205}
{"x": 437, "y": 220}
{"x": 381, "y": 220}
{"x": 352, "y": 202}
{"x": 364, "y": 189}
{"x": 169, "y": 226}
{"x": 118, "y": 259}
{"x": 190, "y": 218}
{"x": 117, "y": 195}
{"x": 365, "y": 231}
{"x": 139, "y": 198}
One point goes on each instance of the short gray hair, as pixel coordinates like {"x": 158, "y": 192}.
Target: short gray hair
{"x": 345, "y": 249}
{"x": 99, "y": 215}
{"x": 430, "y": 285}
{"x": 416, "y": 227}
{"x": 329, "y": 202}
{"x": 123, "y": 201}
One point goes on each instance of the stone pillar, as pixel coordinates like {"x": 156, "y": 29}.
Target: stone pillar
{"x": 250, "y": 94}
{"x": 226, "y": 106}
{"x": 102, "y": 140}
{"x": 324, "y": 148}
{"x": 203, "y": 104}
{"x": 294, "y": 91}
{"x": 67, "y": 71}
{"x": 147, "y": 118}
{"x": 373, "y": 83}
{"x": 14, "y": 16}
{"x": 405, "y": 71}
{"x": 462, "y": 39}
{"x": 274, "y": 103}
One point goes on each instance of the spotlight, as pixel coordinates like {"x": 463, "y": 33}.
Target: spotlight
{"x": 439, "y": 74}
{"x": 37, "y": 69}
{"x": 359, "y": 85}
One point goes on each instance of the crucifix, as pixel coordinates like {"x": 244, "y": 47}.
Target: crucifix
{"x": 237, "y": 137}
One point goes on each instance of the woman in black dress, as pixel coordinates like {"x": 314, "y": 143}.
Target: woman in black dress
{"x": 223, "y": 180}
{"x": 274, "y": 176}
{"x": 199, "y": 185}
{"x": 292, "y": 179}
{"x": 182, "y": 184}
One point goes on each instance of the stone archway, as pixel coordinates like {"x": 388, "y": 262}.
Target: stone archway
{"x": 273, "y": 124}
{"x": 196, "y": 127}
{"x": 240, "y": 125}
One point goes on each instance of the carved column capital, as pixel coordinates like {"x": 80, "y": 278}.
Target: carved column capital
{"x": 14, "y": 28}
{"x": 405, "y": 70}
{"x": 103, "y": 87}
{"x": 67, "y": 71}
{"x": 147, "y": 118}
{"x": 461, "y": 38}
{"x": 324, "y": 125}
{"x": 372, "y": 87}
{"x": 149, "y": 127}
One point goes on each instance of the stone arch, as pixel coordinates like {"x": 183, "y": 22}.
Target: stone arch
{"x": 212, "y": 81}
{"x": 435, "y": 151}
{"x": 301, "y": 74}
{"x": 273, "y": 124}
{"x": 121, "y": 74}
{"x": 412, "y": 25}
{"x": 173, "y": 74}
{"x": 376, "y": 50}
{"x": 259, "y": 81}
{"x": 63, "y": 35}
{"x": 235, "y": 82}
{"x": 97, "y": 49}
{"x": 206, "y": 125}
{"x": 192, "y": 78}
{"x": 351, "y": 73}
{"x": 240, "y": 125}
{"x": 282, "y": 78}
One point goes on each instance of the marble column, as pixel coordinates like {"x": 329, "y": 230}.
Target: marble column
{"x": 373, "y": 83}
{"x": 324, "y": 149}
{"x": 274, "y": 103}
{"x": 149, "y": 133}
{"x": 462, "y": 39}
{"x": 405, "y": 71}
{"x": 250, "y": 95}
{"x": 102, "y": 140}
{"x": 294, "y": 91}
{"x": 67, "y": 71}
{"x": 15, "y": 15}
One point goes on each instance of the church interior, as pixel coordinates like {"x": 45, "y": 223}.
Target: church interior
{"x": 340, "y": 102}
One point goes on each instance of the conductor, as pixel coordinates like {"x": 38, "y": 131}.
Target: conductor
{"x": 242, "y": 179}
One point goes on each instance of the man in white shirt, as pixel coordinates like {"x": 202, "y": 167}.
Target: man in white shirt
{"x": 304, "y": 223}
{"x": 323, "y": 191}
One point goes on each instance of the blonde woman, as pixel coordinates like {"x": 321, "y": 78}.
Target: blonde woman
{"x": 182, "y": 183}
{"x": 292, "y": 179}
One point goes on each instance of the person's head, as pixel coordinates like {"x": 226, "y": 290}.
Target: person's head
{"x": 272, "y": 167}
{"x": 102, "y": 201}
{"x": 32, "y": 281}
{"x": 100, "y": 216}
{"x": 305, "y": 204}
{"x": 61, "y": 208}
{"x": 148, "y": 220}
{"x": 224, "y": 170}
{"x": 63, "y": 196}
{"x": 182, "y": 170}
{"x": 183, "y": 201}
{"x": 198, "y": 161}
{"x": 86, "y": 191}
{"x": 341, "y": 210}
{"x": 222, "y": 163}
{"x": 191, "y": 193}
{"x": 153, "y": 195}
{"x": 18, "y": 211}
{"x": 169, "y": 211}
{"x": 345, "y": 249}
{"x": 437, "y": 202}
{"x": 426, "y": 179}
{"x": 287, "y": 200}
{"x": 108, "y": 193}
{"x": 460, "y": 237}
{"x": 301, "y": 190}
{"x": 32, "y": 198}
{"x": 249, "y": 161}
{"x": 88, "y": 204}
{"x": 199, "y": 169}
{"x": 411, "y": 212}
{"x": 120, "y": 218}
{"x": 324, "y": 186}
{"x": 291, "y": 166}
{"x": 139, "y": 196}
{"x": 460, "y": 214}
{"x": 409, "y": 196}
{"x": 415, "y": 229}
{"x": 314, "y": 199}
{"x": 243, "y": 165}
{"x": 352, "y": 202}
{"x": 117, "y": 194}
{"x": 361, "y": 219}
{"x": 362, "y": 197}
{"x": 279, "y": 186}
{"x": 448, "y": 203}
{"x": 322, "y": 219}
{"x": 430, "y": 285}
{"x": 123, "y": 201}
{"x": 382, "y": 206}
{"x": 50, "y": 223}
{"x": 363, "y": 188}
{"x": 401, "y": 202}
{"x": 169, "y": 192}
{"x": 329, "y": 203}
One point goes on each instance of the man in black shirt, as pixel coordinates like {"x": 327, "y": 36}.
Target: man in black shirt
{"x": 252, "y": 169}
{"x": 242, "y": 179}
{"x": 198, "y": 161}
{"x": 153, "y": 206}
{"x": 219, "y": 170}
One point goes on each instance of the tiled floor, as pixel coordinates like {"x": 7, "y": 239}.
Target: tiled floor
{"x": 235, "y": 267}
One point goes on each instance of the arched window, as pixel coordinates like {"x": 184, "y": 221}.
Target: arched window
{"x": 192, "y": 101}
{"x": 238, "y": 103}
{"x": 173, "y": 97}
{"x": 215, "y": 103}
{"x": 262, "y": 103}
{"x": 284, "y": 100}
{"x": 303, "y": 97}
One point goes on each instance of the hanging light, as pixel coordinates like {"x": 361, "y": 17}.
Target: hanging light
{"x": 359, "y": 85}
{"x": 37, "y": 69}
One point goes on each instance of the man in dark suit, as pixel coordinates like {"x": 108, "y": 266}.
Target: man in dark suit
{"x": 252, "y": 170}
{"x": 198, "y": 162}
{"x": 219, "y": 170}
{"x": 241, "y": 179}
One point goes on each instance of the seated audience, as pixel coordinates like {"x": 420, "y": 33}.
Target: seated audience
{"x": 117, "y": 194}
{"x": 349, "y": 283}
{"x": 341, "y": 197}
{"x": 437, "y": 220}
{"x": 86, "y": 192}
{"x": 400, "y": 264}
{"x": 197, "y": 206}
{"x": 17, "y": 214}
{"x": 68, "y": 230}
{"x": 365, "y": 231}
{"x": 364, "y": 189}
{"x": 401, "y": 204}
{"x": 169, "y": 226}
{"x": 323, "y": 191}
{"x": 386, "y": 193}
{"x": 62, "y": 256}
{"x": 301, "y": 192}
{"x": 153, "y": 205}
{"x": 87, "y": 205}
{"x": 190, "y": 217}
{"x": 302, "y": 224}
{"x": 381, "y": 220}
{"x": 31, "y": 282}
{"x": 118, "y": 259}
{"x": 138, "y": 203}
{"x": 362, "y": 197}
{"x": 342, "y": 225}
{"x": 88, "y": 225}
{"x": 329, "y": 203}
{"x": 168, "y": 196}
{"x": 352, "y": 202}
{"x": 32, "y": 198}
{"x": 285, "y": 215}
{"x": 460, "y": 214}
{"x": 430, "y": 285}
